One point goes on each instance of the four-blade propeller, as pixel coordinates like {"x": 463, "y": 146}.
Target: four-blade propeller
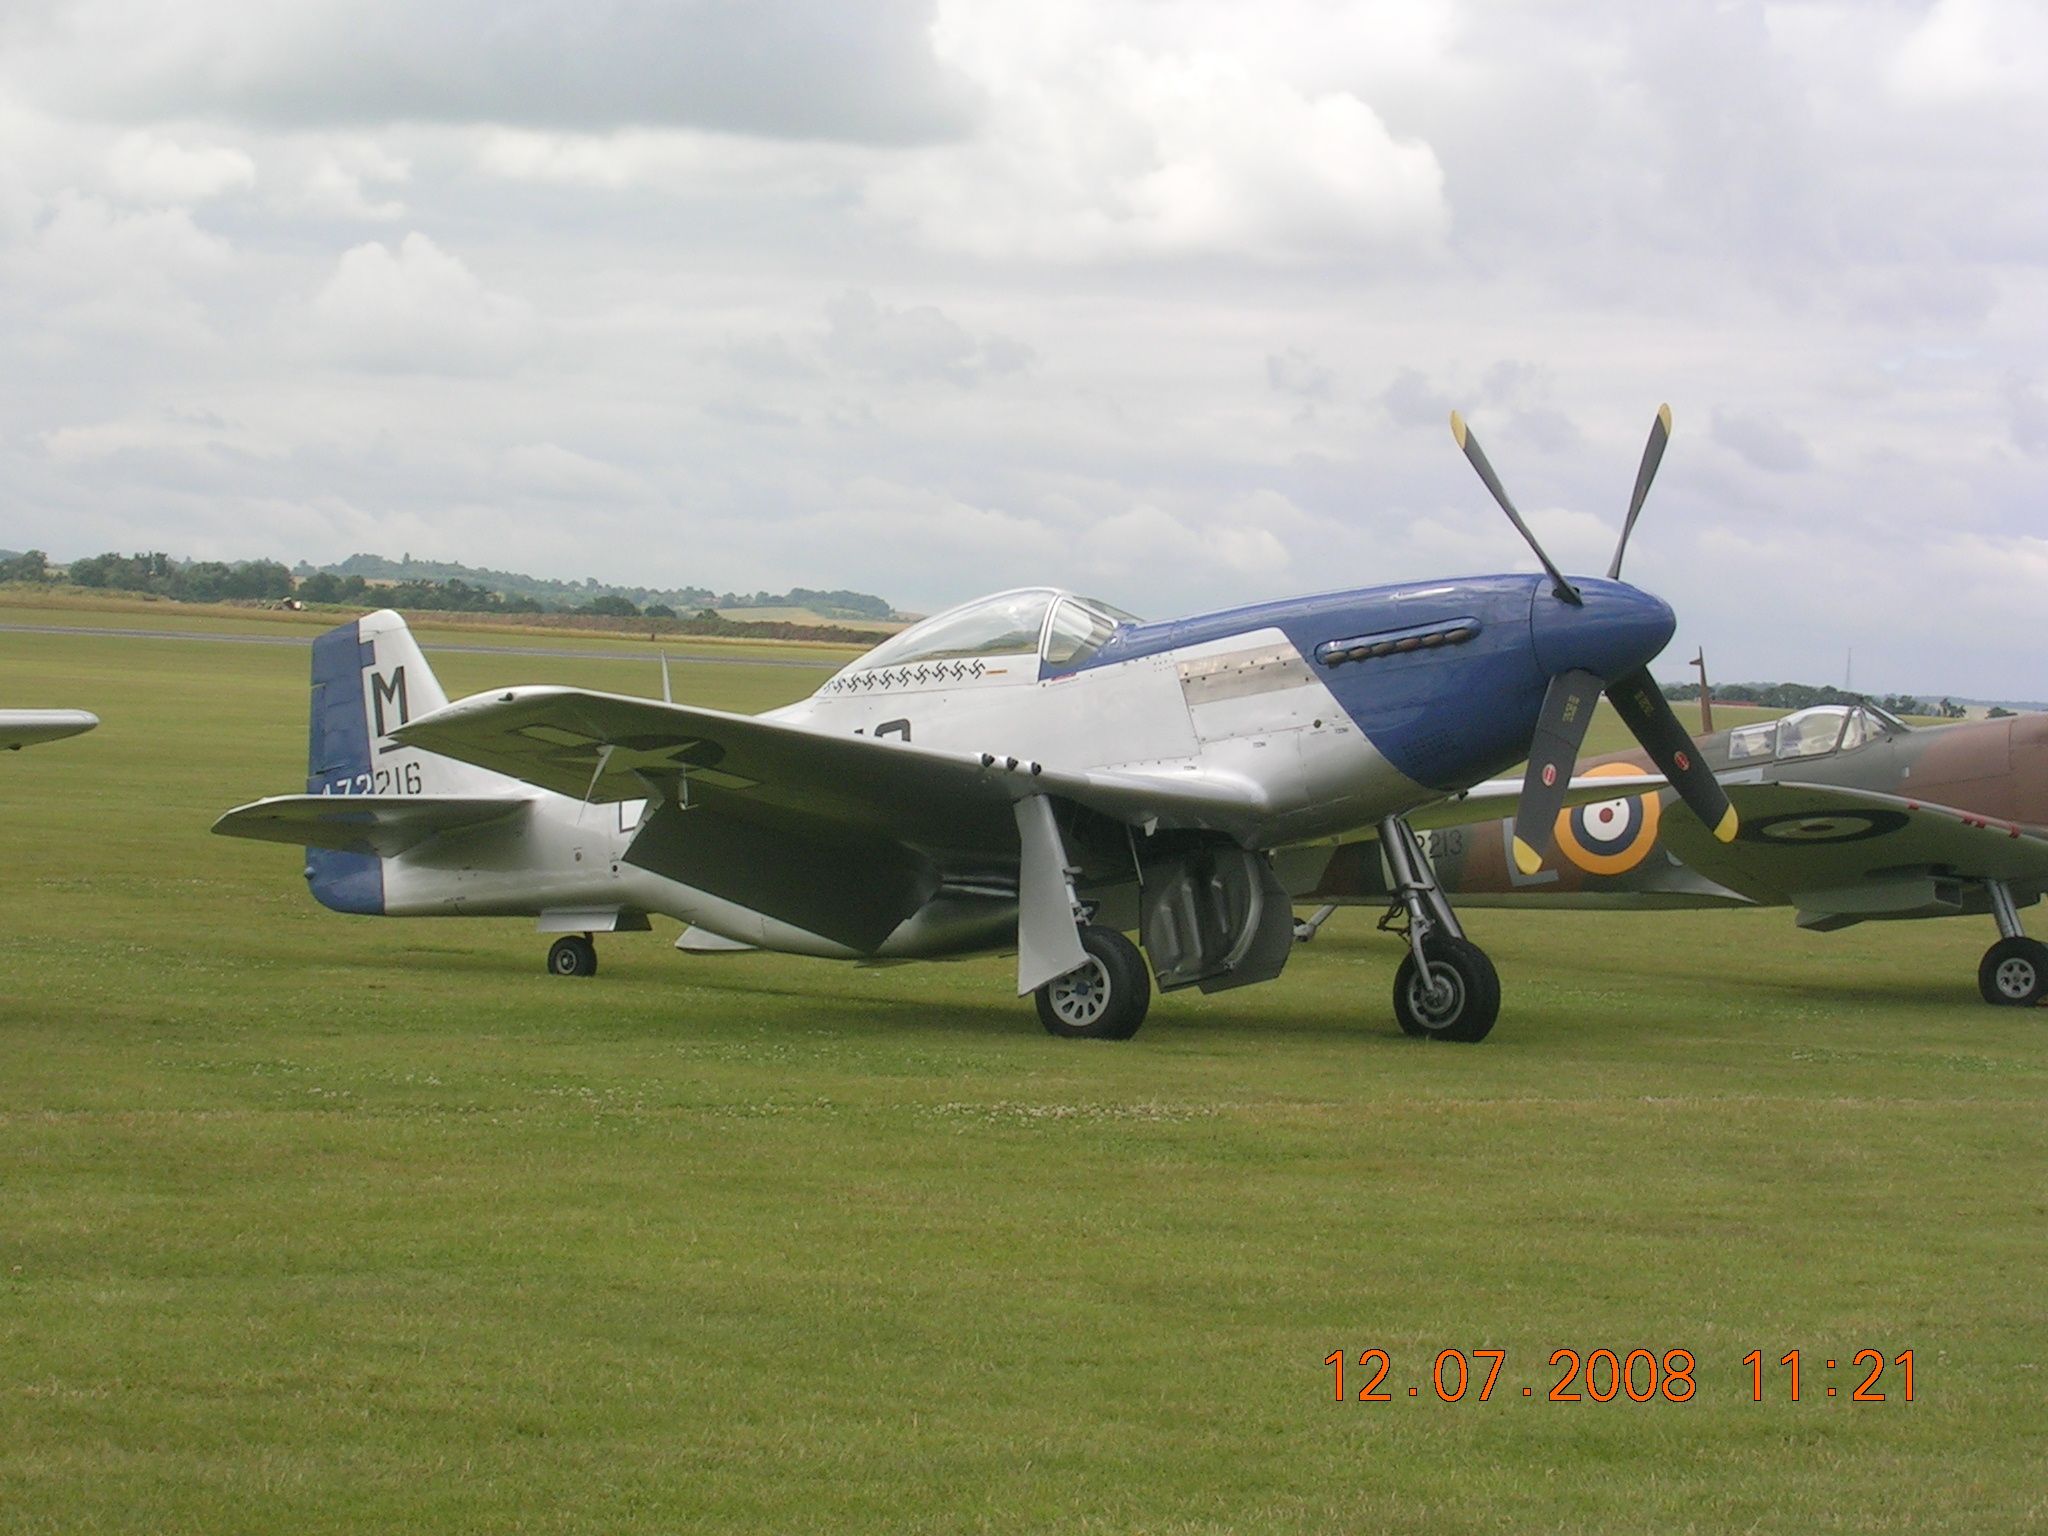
{"x": 1569, "y": 701}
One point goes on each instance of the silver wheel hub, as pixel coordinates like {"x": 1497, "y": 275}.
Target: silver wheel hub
{"x": 1081, "y": 997}
{"x": 2015, "y": 978}
{"x": 1437, "y": 999}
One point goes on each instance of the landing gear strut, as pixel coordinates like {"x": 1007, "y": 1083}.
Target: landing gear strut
{"x": 1446, "y": 987}
{"x": 574, "y": 955}
{"x": 2014, "y": 971}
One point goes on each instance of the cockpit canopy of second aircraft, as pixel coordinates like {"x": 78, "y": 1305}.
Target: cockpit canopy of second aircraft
{"x": 1812, "y": 732}
{"x": 1062, "y": 629}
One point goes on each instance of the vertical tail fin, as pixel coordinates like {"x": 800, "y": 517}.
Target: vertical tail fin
{"x": 369, "y": 678}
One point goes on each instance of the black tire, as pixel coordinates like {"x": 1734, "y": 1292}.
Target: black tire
{"x": 1105, "y": 999}
{"x": 1465, "y": 1011}
{"x": 2014, "y": 973}
{"x": 572, "y": 956}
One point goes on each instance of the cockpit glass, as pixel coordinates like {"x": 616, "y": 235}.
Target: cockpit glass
{"x": 1752, "y": 741}
{"x": 1860, "y": 729}
{"x": 1004, "y": 625}
{"x": 1078, "y": 630}
{"x": 1811, "y": 732}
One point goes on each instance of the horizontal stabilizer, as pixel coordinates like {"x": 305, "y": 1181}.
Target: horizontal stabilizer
{"x": 26, "y": 727}
{"x": 383, "y": 825}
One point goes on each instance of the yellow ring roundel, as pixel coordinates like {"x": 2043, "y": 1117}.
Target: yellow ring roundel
{"x": 1609, "y": 837}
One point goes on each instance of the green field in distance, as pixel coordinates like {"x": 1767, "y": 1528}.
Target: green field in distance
{"x": 321, "y": 1224}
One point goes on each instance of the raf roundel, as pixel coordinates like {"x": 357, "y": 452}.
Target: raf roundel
{"x": 1609, "y": 837}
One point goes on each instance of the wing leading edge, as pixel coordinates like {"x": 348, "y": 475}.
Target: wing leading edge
{"x": 1826, "y": 849}
{"x": 605, "y": 747}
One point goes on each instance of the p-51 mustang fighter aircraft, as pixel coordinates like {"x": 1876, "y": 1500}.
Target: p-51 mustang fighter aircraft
{"x": 1033, "y": 770}
{"x": 1848, "y": 816}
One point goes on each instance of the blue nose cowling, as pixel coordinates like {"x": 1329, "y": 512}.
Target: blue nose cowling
{"x": 1617, "y": 630}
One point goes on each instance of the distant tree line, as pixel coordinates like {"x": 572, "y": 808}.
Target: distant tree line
{"x": 184, "y": 581}
{"x": 213, "y": 581}
{"x": 558, "y": 596}
{"x": 1799, "y": 695}
{"x": 455, "y": 596}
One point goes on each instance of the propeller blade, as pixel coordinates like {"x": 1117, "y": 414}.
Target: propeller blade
{"x": 1643, "y": 708}
{"x": 1469, "y": 445}
{"x": 1553, "y": 752}
{"x": 1653, "y": 455}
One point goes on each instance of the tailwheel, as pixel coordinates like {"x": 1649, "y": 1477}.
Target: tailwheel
{"x": 572, "y": 956}
{"x": 2014, "y": 972}
{"x": 1459, "y": 999}
{"x": 1105, "y": 997}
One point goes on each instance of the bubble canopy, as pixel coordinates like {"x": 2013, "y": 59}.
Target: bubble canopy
{"x": 1017, "y": 623}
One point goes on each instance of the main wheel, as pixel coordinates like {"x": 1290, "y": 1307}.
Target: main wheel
{"x": 572, "y": 956}
{"x": 1104, "y": 998}
{"x": 2014, "y": 972}
{"x": 1459, "y": 1001}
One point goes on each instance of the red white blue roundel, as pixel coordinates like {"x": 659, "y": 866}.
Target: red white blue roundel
{"x": 1609, "y": 837}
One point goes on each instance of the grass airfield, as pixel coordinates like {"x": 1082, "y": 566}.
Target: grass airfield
{"x": 316, "y": 1224}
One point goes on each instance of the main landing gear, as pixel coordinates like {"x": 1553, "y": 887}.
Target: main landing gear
{"x": 2014, "y": 971}
{"x": 573, "y": 955}
{"x": 1103, "y": 999}
{"x": 1446, "y": 987}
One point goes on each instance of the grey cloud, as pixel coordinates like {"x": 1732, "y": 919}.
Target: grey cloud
{"x": 1412, "y": 402}
{"x": 1765, "y": 443}
{"x": 2027, "y": 416}
{"x": 917, "y": 343}
{"x": 1301, "y": 374}
{"x": 797, "y": 69}
{"x": 1549, "y": 430}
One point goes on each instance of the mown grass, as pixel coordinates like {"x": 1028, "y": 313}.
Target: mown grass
{"x": 319, "y": 1224}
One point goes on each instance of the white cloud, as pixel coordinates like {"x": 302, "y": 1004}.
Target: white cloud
{"x": 145, "y": 167}
{"x": 1965, "y": 50}
{"x": 1091, "y": 149}
{"x": 336, "y": 186}
{"x": 417, "y": 309}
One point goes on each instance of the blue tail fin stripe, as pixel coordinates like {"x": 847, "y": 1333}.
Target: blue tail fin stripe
{"x": 338, "y": 762}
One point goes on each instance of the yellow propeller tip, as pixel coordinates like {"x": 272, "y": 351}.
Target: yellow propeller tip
{"x": 1527, "y": 859}
{"x": 1730, "y": 825}
{"x": 1458, "y": 428}
{"x": 1664, "y": 415}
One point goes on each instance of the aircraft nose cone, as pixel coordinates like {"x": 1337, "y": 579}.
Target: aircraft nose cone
{"x": 1617, "y": 631}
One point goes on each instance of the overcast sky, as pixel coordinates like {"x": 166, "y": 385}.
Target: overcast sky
{"x": 1167, "y": 300}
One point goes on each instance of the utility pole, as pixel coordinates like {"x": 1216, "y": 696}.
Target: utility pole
{"x": 1706, "y": 695}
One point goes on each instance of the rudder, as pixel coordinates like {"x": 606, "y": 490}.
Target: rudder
{"x": 369, "y": 678}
